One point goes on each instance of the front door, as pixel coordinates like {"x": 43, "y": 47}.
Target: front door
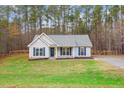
{"x": 52, "y": 52}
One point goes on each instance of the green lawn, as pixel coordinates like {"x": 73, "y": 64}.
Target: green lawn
{"x": 17, "y": 71}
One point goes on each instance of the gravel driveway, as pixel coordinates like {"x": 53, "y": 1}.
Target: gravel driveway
{"x": 114, "y": 60}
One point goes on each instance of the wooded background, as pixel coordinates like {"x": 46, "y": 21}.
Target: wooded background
{"x": 104, "y": 25}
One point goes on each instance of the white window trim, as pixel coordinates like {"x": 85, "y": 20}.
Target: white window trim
{"x": 35, "y": 52}
{"x": 65, "y": 50}
{"x": 82, "y": 50}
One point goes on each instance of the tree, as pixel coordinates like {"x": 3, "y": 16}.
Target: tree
{"x": 96, "y": 26}
{"x": 104, "y": 24}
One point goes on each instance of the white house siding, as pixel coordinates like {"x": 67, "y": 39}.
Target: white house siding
{"x": 58, "y": 51}
{"x": 38, "y": 44}
{"x": 88, "y": 51}
{"x": 74, "y": 53}
{"x": 47, "y": 39}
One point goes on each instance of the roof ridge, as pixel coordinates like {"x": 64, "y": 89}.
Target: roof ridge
{"x": 71, "y": 40}
{"x": 70, "y": 35}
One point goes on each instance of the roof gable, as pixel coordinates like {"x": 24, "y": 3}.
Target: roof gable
{"x": 36, "y": 41}
{"x": 46, "y": 40}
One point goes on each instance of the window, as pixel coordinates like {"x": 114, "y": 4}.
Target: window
{"x": 60, "y": 50}
{"x": 82, "y": 51}
{"x": 38, "y": 51}
{"x": 68, "y": 51}
{"x": 65, "y": 51}
{"x": 42, "y": 51}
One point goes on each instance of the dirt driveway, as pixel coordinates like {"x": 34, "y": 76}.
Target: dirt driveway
{"x": 114, "y": 60}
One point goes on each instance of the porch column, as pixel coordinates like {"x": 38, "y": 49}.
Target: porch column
{"x": 56, "y": 54}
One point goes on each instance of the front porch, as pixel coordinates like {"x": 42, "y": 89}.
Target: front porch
{"x": 61, "y": 52}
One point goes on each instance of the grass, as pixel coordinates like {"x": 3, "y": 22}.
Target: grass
{"x": 17, "y": 71}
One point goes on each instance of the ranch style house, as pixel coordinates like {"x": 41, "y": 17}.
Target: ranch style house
{"x": 60, "y": 46}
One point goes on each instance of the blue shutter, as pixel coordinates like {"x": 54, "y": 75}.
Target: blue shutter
{"x": 60, "y": 50}
{"x": 34, "y": 51}
{"x": 44, "y": 51}
{"x": 85, "y": 51}
{"x": 79, "y": 51}
{"x": 70, "y": 52}
{"x": 41, "y": 53}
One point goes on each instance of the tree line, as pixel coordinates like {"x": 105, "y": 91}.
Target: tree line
{"x": 104, "y": 24}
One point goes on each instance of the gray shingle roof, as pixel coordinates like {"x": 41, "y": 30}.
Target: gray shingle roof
{"x": 71, "y": 40}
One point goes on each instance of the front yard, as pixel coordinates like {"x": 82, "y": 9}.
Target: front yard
{"x": 17, "y": 71}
